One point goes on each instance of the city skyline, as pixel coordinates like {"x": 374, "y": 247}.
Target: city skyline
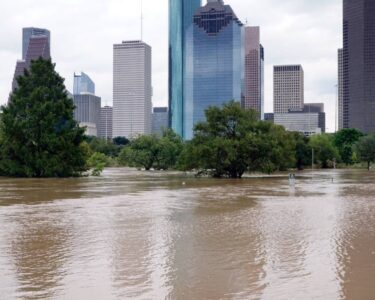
{"x": 290, "y": 33}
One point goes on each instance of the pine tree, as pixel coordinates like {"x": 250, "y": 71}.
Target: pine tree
{"x": 40, "y": 137}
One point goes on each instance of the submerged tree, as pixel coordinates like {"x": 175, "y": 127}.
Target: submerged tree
{"x": 40, "y": 136}
{"x": 365, "y": 149}
{"x": 233, "y": 141}
{"x": 344, "y": 140}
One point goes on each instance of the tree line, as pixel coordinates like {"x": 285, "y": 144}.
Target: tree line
{"x": 40, "y": 138}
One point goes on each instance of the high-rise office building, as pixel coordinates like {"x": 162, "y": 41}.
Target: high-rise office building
{"x": 159, "y": 119}
{"x": 340, "y": 91}
{"x": 106, "y": 121}
{"x": 359, "y": 65}
{"x": 181, "y": 14}
{"x": 215, "y": 62}
{"x": 254, "y": 71}
{"x": 132, "y": 90}
{"x": 83, "y": 84}
{"x": 35, "y": 44}
{"x": 87, "y": 105}
{"x": 28, "y": 33}
{"x": 288, "y": 88}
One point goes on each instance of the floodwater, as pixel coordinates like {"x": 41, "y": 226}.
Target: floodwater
{"x": 139, "y": 235}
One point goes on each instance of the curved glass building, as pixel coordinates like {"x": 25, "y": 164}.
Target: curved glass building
{"x": 214, "y": 65}
{"x": 181, "y": 14}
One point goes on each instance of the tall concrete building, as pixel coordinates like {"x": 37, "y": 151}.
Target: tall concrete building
{"x": 83, "y": 84}
{"x": 35, "y": 44}
{"x": 359, "y": 65}
{"x": 87, "y": 105}
{"x": 159, "y": 119}
{"x": 288, "y": 88}
{"x": 254, "y": 71}
{"x": 215, "y": 68}
{"x": 106, "y": 121}
{"x": 181, "y": 14}
{"x": 132, "y": 89}
{"x": 340, "y": 91}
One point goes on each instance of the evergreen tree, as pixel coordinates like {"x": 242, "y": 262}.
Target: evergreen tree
{"x": 40, "y": 137}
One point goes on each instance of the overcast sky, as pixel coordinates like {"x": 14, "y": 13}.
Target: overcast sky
{"x": 83, "y": 32}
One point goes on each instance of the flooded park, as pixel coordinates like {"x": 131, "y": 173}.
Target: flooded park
{"x": 152, "y": 235}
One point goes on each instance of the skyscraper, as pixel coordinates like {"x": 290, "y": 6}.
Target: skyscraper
{"x": 159, "y": 119}
{"x": 35, "y": 44}
{"x": 87, "y": 105}
{"x": 215, "y": 62}
{"x": 28, "y": 33}
{"x": 359, "y": 65}
{"x": 83, "y": 84}
{"x": 181, "y": 14}
{"x": 340, "y": 90}
{"x": 288, "y": 88}
{"x": 106, "y": 121}
{"x": 132, "y": 90}
{"x": 254, "y": 71}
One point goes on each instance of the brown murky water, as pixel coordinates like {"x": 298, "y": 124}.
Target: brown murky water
{"x": 134, "y": 235}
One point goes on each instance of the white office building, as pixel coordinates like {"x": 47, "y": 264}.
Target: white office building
{"x": 288, "y": 88}
{"x": 132, "y": 89}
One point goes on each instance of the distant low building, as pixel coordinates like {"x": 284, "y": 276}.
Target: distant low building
{"x": 106, "y": 122}
{"x": 159, "y": 119}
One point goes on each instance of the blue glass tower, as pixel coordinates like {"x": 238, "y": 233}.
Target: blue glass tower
{"x": 83, "y": 84}
{"x": 214, "y": 66}
{"x": 181, "y": 14}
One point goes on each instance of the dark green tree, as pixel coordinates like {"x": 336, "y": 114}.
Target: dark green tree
{"x": 324, "y": 149}
{"x": 344, "y": 140}
{"x": 303, "y": 150}
{"x": 120, "y": 141}
{"x": 365, "y": 149}
{"x": 233, "y": 141}
{"x": 40, "y": 136}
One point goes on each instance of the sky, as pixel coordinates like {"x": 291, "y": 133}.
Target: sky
{"x": 306, "y": 32}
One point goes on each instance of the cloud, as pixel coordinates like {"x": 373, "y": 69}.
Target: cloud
{"x": 83, "y": 33}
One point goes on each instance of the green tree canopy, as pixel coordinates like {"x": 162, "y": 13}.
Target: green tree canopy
{"x": 233, "y": 141}
{"x": 324, "y": 149}
{"x": 40, "y": 136}
{"x": 365, "y": 149}
{"x": 153, "y": 151}
{"x": 344, "y": 140}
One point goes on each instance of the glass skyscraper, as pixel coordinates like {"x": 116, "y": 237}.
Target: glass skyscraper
{"x": 181, "y": 14}
{"x": 83, "y": 84}
{"x": 28, "y": 33}
{"x": 214, "y": 66}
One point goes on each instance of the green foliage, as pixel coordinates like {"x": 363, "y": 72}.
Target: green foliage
{"x": 365, "y": 148}
{"x": 40, "y": 136}
{"x": 120, "y": 141}
{"x": 97, "y": 162}
{"x": 233, "y": 141}
{"x": 303, "y": 150}
{"x": 324, "y": 149}
{"x": 104, "y": 146}
{"x": 344, "y": 140}
{"x": 152, "y": 151}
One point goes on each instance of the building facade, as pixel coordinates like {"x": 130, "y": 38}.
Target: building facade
{"x": 83, "y": 84}
{"x": 87, "y": 111}
{"x": 340, "y": 91}
{"x": 105, "y": 123}
{"x": 181, "y": 14}
{"x": 254, "y": 71}
{"x": 306, "y": 123}
{"x": 28, "y": 33}
{"x": 288, "y": 88}
{"x": 160, "y": 118}
{"x": 35, "y": 44}
{"x": 215, "y": 62}
{"x": 359, "y": 65}
{"x": 132, "y": 90}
